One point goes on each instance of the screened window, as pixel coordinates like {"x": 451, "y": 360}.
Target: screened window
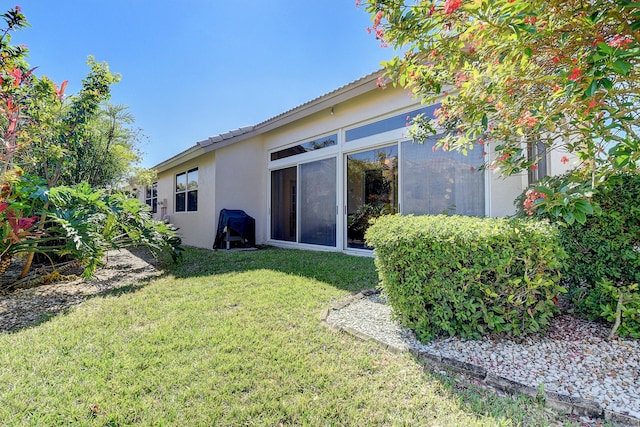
{"x": 151, "y": 197}
{"x": 436, "y": 182}
{"x": 187, "y": 191}
{"x": 318, "y": 202}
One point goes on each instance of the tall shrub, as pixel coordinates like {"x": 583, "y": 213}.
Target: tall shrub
{"x": 603, "y": 265}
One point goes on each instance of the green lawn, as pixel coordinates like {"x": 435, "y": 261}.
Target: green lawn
{"x": 231, "y": 339}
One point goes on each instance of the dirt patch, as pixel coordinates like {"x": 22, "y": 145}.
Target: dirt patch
{"x": 28, "y": 306}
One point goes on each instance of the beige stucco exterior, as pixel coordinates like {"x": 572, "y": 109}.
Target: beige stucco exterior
{"x": 235, "y": 168}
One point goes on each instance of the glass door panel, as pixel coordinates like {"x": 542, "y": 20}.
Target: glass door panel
{"x": 283, "y": 204}
{"x": 372, "y": 190}
{"x": 318, "y": 202}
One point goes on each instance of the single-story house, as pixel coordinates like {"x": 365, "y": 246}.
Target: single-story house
{"x": 313, "y": 176}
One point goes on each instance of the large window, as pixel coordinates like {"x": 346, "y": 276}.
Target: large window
{"x": 372, "y": 190}
{"x": 318, "y": 202}
{"x": 284, "y": 194}
{"x": 187, "y": 191}
{"x": 151, "y": 197}
{"x": 397, "y": 122}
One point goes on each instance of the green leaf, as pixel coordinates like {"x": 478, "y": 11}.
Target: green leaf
{"x": 606, "y": 83}
{"x": 592, "y": 89}
{"x": 580, "y": 216}
{"x": 529, "y": 52}
{"x": 584, "y": 206}
{"x": 485, "y": 122}
{"x": 621, "y": 67}
{"x": 605, "y": 48}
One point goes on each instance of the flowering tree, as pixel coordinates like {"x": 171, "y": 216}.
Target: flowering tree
{"x": 513, "y": 74}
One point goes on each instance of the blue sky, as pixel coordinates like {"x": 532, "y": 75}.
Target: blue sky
{"x": 195, "y": 68}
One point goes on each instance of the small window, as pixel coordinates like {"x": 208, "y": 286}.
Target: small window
{"x": 386, "y": 125}
{"x": 151, "y": 197}
{"x": 317, "y": 144}
{"x": 187, "y": 191}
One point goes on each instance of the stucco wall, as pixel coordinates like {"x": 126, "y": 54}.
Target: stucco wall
{"x": 241, "y": 177}
{"x": 195, "y": 228}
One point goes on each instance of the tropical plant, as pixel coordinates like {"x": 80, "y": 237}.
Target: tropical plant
{"x": 82, "y": 223}
{"x": 49, "y": 139}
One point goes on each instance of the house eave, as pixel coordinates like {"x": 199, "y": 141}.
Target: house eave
{"x": 188, "y": 154}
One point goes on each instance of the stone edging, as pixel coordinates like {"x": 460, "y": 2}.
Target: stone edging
{"x": 555, "y": 401}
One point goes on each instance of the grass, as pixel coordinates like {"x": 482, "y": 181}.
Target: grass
{"x": 232, "y": 339}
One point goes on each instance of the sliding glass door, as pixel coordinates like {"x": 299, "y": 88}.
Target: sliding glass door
{"x": 305, "y": 212}
{"x": 284, "y": 183}
{"x": 372, "y": 190}
{"x": 318, "y": 202}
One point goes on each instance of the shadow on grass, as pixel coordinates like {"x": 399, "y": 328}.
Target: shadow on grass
{"x": 30, "y": 307}
{"x": 347, "y": 272}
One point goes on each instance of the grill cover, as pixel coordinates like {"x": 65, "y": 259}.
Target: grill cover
{"x": 239, "y": 224}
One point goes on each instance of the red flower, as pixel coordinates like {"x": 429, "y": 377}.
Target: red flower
{"x": 377, "y": 19}
{"x": 529, "y": 202}
{"x": 564, "y": 160}
{"x": 575, "y": 74}
{"x": 527, "y": 120}
{"x": 3, "y": 206}
{"x": 451, "y": 6}
{"x": 620, "y": 41}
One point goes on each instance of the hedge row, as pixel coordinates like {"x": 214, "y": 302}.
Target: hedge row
{"x": 468, "y": 276}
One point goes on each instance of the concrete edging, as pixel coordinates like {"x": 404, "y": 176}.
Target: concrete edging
{"x": 555, "y": 401}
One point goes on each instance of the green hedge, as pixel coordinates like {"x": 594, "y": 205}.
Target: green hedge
{"x": 468, "y": 276}
{"x": 604, "y": 255}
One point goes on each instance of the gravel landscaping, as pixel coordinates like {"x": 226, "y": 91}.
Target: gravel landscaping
{"x": 572, "y": 359}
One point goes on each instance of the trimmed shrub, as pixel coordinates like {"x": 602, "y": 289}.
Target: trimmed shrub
{"x": 468, "y": 276}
